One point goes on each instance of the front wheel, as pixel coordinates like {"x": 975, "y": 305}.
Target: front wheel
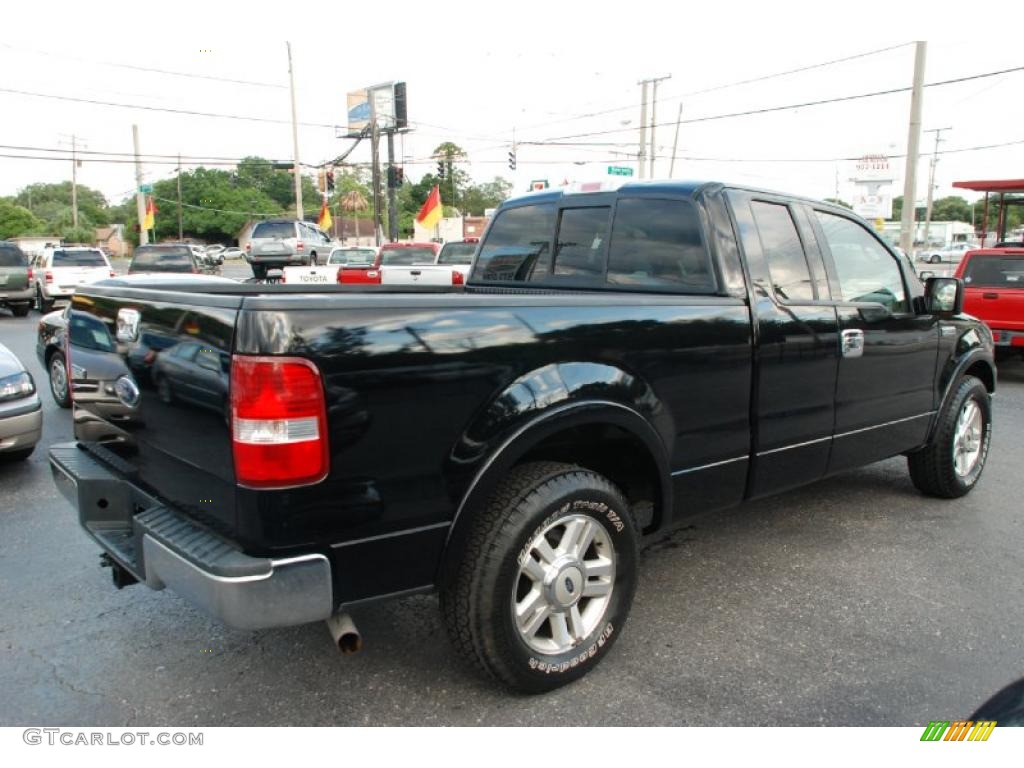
{"x": 60, "y": 385}
{"x": 951, "y": 465}
{"x": 20, "y": 310}
{"x": 935, "y": 259}
{"x": 545, "y": 580}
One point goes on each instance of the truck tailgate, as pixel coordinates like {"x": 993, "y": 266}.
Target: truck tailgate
{"x": 994, "y": 290}
{"x": 150, "y": 373}
{"x": 416, "y": 275}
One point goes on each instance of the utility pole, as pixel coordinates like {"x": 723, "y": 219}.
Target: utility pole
{"x": 654, "y": 120}
{"x": 375, "y": 161}
{"x": 931, "y": 181}
{"x": 392, "y": 191}
{"x": 140, "y": 198}
{"x": 295, "y": 140}
{"x": 181, "y": 235}
{"x": 675, "y": 143}
{"x": 643, "y": 127}
{"x": 74, "y": 181}
{"x": 913, "y": 145}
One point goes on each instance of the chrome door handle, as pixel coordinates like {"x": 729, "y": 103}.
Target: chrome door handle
{"x": 853, "y": 342}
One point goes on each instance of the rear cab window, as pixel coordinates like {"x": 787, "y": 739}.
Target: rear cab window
{"x": 83, "y": 258}
{"x": 615, "y": 242}
{"x": 457, "y": 253}
{"x": 274, "y": 230}
{"x": 407, "y": 256}
{"x": 1003, "y": 271}
{"x": 12, "y": 256}
{"x": 162, "y": 259}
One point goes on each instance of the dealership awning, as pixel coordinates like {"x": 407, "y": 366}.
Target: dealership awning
{"x": 994, "y": 185}
{"x": 1003, "y": 187}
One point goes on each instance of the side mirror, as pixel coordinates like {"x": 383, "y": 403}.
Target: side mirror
{"x": 944, "y": 295}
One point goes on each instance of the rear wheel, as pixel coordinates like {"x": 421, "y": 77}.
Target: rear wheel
{"x": 935, "y": 259}
{"x": 259, "y": 271}
{"x": 59, "y": 384}
{"x": 951, "y": 465}
{"x": 20, "y": 310}
{"x": 312, "y": 260}
{"x": 545, "y": 580}
{"x": 42, "y": 305}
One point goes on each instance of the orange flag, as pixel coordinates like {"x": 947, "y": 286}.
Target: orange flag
{"x": 325, "y": 221}
{"x": 150, "y": 221}
{"x": 431, "y": 212}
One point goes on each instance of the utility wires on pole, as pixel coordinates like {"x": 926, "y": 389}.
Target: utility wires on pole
{"x": 643, "y": 128}
{"x": 181, "y": 235}
{"x": 295, "y": 140}
{"x": 913, "y": 144}
{"x": 73, "y": 141}
{"x": 931, "y": 181}
{"x": 140, "y": 198}
{"x": 654, "y": 119}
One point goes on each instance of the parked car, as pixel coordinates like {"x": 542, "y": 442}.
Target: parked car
{"x": 232, "y": 253}
{"x": 51, "y": 355}
{"x": 458, "y": 254}
{"x": 620, "y": 361}
{"x": 994, "y": 282}
{"x": 21, "y": 412}
{"x": 1010, "y": 244}
{"x": 177, "y": 258}
{"x": 15, "y": 279}
{"x": 194, "y": 372}
{"x": 59, "y": 271}
{"x": 413, "y": 264}
{"x": 277, "y": 243}
{"x": 950, "y": 254}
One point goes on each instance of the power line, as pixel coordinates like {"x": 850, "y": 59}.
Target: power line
{"x": 802, "y": 105}
{"x": 137, "y": 68}
{"x": 724, "y": 86}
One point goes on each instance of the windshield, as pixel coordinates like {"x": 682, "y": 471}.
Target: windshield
{"x": 11, "y": 256}
{"x": 78, "y": 259}
{"x": 995, "y": 271}
{"x": 274, "y": 229}
{"x": 407, "y": 256}
{"x": 162, "y": 260}
{"x": 361, "y": 256}
{"x": 457, "y": 253}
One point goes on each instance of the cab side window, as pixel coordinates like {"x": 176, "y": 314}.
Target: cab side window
{"x": 865, "y": 270}
{"x": 580, "y": 247}
{"x": 518, "y": 245}
{"x": 787, "y": 264}
{"x": 657, "y": 243}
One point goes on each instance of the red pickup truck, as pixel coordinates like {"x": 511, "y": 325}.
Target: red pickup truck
{"x": 389, "y": 254}
{"x": 994, "y": 282}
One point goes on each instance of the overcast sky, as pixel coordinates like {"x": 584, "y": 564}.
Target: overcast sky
{"x": 476, "y": 71}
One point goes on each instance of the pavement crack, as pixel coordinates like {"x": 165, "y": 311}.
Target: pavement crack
{"x": 61, "y": 681}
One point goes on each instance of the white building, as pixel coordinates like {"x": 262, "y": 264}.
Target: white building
{"x": 940, "y": 233}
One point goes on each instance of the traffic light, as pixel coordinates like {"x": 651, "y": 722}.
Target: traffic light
{"x": 330, "y": 180}
{"x": 399, "y": 176}
{"x": 512, "y": 159}
{"x": 440, "y": 169}
{"x": 322, "y": 180}
{"x": 391, "y": 177}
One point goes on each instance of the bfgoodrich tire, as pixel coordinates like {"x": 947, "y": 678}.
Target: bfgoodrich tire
{"x": 544, "y": 583}
{"x": 951, "y": 465}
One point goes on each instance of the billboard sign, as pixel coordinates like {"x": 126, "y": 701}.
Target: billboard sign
{"x": 872, "y": 206}
{"x": 873, "y": 168}
{"x": 359, "y": 112}
{"x": 385, "y": 102}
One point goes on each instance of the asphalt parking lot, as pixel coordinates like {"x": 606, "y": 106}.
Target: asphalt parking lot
{"x": 855, "y": 601}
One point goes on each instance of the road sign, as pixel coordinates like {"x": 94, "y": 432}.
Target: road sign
{"x": 145, "y": 188}
{"x": 619, "y": 170}
{"x": 538, "y": 184}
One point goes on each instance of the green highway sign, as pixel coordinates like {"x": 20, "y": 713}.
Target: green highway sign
{"x": 619, "y": 170}
{"x": 145, "y": 188}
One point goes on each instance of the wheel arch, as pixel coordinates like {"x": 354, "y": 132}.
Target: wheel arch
{"x": 631, "y": 454}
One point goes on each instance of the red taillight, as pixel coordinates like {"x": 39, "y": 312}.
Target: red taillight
{"x": 30, "y": 274}
{"x": 279, "y": 422}
{"x": 339, "y": 278}
{"x": 48, "y": 276}
{"x": 457, "y": 278}
{"x": 299, "y": 246}
{"x": 113, "y": 273}
{"x": 248, "y": 247}
{"x": 149, "y": 358}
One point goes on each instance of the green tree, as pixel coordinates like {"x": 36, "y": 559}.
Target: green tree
{"x": 16, "y": 220}
{"x": 49, "y": 201}
{"x": 837, "y": 201}
{"x": 479, "y": 197}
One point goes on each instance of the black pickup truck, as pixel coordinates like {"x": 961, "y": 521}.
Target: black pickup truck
{"x": 618, "y": 360}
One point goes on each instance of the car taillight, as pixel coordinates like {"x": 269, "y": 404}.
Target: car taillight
{"x": 278, "y": 422}
{"x": 457, "y": 278}
{"x": 113, "y": 273}
{"x": 248, "y": 247}
{"x": 338, "y": 277}
{"x": 30, "y": 276}
{"x": 300, "y": 246}
{"x": 48, "y": 276}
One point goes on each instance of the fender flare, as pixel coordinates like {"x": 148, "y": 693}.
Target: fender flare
{"x": 978, "y": 354}
{"x": 560, "y": 417}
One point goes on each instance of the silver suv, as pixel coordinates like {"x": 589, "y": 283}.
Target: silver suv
{"x": 281, "y": 242}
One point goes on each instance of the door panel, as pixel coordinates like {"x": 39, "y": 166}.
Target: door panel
{"x": 797, "y": 349}
{"x": 885, "y": 395}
